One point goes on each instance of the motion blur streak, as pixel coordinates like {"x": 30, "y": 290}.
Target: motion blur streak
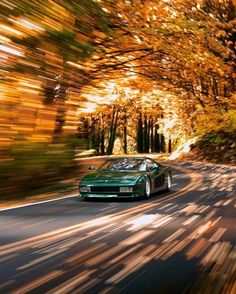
{"x": 41, "y": 44}
{"x": 38, "y": 282}
{"x": 103, "y": 77}
{"x": 182, "y": 236}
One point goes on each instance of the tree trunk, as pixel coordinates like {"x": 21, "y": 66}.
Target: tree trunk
{"x": 169, "y": 145}
{"x": 157, "y": 143}
{"x": 145, "y": 137}
{"x": 109, "y": 147}
{"x": 148, "y": 135}
{"x": 140, "y": 133}
{"x": 113, "y": 128}
{"x": 152, "y": 135}
{"x": 97, "y": 134}
{"x": 92, "y": 134}
{"x": 125, "y": 133}
{"x": 85, "y": 131}
{"x": 162, "y": 143}
{"x": 102, "y": 135}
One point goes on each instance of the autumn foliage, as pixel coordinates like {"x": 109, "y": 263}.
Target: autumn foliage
{"x": 114, "y": 76}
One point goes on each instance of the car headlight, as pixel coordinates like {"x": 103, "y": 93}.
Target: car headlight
{"x": 84, "y": 189}
{"x": 126, "y": 189}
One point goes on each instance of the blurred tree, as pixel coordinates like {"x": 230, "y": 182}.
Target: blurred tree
{"x": 186, "y": 48}
{"x": 113, "y": 127}
{"x": 56, "y": 36}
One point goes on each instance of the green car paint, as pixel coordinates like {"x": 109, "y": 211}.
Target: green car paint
{"x": 104, "y": 183}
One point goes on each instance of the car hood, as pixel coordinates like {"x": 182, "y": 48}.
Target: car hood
{"x": 108, "y": 176}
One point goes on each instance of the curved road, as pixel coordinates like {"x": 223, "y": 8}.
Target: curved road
{"x": 177, "y": 242}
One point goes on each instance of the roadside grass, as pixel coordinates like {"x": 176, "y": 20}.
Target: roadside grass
{"x": 214, "y": 147}
{"x": 57, "y": 187}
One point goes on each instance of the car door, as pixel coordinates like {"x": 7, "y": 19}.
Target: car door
{"x": 156, "y": 173}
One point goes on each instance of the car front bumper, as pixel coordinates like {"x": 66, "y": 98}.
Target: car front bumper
{"x": 108, "y": 196}
{"x": 111, "y": 190}
{"x": 118, "y": 195}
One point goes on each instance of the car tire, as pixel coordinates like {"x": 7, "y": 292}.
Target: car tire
{"x": 147, "y": 188}
{"x": 168, "y": 182}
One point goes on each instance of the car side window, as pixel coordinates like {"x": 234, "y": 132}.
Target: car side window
{"x": 150, "y": 165}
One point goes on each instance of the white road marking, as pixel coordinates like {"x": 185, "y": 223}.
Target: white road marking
{"x": 36, "y": 203}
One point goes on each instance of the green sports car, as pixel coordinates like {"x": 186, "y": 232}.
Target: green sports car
{"x": 126, "y": 177}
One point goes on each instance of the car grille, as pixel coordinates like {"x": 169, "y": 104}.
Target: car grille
{"x": 105, "y": 189}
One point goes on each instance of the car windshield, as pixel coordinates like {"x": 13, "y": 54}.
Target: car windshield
{"x": 124, "y": 164}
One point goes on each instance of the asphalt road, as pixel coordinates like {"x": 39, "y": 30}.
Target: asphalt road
{"x": 177, "y": 242}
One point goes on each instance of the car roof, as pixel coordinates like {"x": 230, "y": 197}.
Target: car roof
{"x": 133, "y": 157}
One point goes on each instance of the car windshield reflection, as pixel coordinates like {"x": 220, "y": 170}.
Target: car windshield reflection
{"x": 124, "y": 165}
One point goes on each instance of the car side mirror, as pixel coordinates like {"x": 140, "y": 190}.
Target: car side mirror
{"x": 156, "y": 167}
{"x": 92, "y": 167}
{"x": 153, "y": 168}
